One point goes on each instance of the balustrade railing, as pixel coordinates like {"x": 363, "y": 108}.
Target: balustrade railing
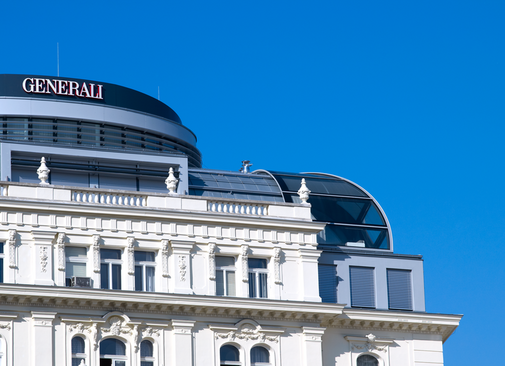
{"x": 120, "y": 199}
{"x": 238, "y": 208}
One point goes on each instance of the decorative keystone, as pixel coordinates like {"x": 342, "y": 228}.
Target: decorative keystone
{"x": 43, "y": 172}
{"x": 171, "y": 181}
{"x": 303, "y": 192}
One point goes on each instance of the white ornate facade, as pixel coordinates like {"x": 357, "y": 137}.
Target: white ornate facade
{"x": 96, "y": 275}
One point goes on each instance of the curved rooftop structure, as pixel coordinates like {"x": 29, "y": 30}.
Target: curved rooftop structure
{"x": 88, "y": 114}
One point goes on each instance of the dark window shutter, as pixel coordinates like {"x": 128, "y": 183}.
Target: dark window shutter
{"x": 328, "y": 283}
{"x": 399, "y": 289}
{"x": 362, "y": 287}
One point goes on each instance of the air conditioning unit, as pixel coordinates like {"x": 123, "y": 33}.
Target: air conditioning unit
{"x": 81, "y": 282}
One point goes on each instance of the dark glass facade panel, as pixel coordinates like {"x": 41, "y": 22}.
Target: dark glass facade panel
{"x": 110, "y": 254}
{"x": 340, "y": 235}
{"x": 316, "y": 185}
{"x": 141, "y": 256}
{"x": 342, "y": 210}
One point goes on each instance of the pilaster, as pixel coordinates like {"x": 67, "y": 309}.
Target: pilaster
{"x": 43, "y": 257}
{"x": 181, "y": 266}
{"x": 309, "y": 281}
{"x": 312, "y": 346}
{"x": 42, "y": 339}
{"x": 183, "y": 342}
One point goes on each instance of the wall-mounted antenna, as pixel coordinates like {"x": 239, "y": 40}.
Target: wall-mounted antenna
{"x": 58, "y": 59}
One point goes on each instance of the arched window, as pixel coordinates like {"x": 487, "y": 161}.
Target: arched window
{"x": 112, "y": 352}
{"x": 146, "y": 354}
{"x": 78, "y": 351}
{"x": 260, "y": 356}
{"x": 229, "y": 355}
{"x": 367, "y": 360}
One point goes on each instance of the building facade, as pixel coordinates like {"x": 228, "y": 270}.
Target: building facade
{"x": 117, "y": 248}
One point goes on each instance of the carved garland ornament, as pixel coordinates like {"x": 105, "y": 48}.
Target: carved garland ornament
{"x": 12, "y": 248}
{"x": 277, "y": 265}
{"x": 247, "y": 334}
{"x": 131, "y": 255}
{"x": 60, "y": 245}
{"x": 164, "y": 257}
{"x": 96, "y": 253}
{"x": 370, "y": 345}
{"x": 43, "y": 258}
{"x": 245, "y": 264}
{"x": 182, "y": 268}
{"x": 212, "y": 261}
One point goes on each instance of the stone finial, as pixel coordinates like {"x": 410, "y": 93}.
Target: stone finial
{"x": 303, "y": 192}
{"x": 43, "y": 172}
{"x": 171, "y": 181}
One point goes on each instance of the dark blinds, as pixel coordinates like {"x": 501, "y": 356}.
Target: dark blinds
{"x": 399, "y": 289}
{"x": 362, "y": 287}
{"x": 328, "y": 283}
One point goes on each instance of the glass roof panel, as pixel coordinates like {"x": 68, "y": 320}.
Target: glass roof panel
{"x": 340, "y": 235}
{"x": 238, "y": 181}
{"x": 319, "y": 185}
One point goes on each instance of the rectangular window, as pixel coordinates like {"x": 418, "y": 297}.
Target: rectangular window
{"x": 225, "y": 276}
{"x": 144, "y": 271}
{"x": 76, "y": 259}
{"x": 2, "y": 256}
{"x": 362, "y": 287}
{"x": 258, "y": 275}
{"x": 328, "y": 283}
{"x": 399, "y": 289}
{"x": 110, "y": 269}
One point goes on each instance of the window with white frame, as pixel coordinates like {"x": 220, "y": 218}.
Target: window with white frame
{"x": 229, "y": 355}
{"x": 110, "y": 269}
{"x": 75, "y": 266}
{"x": 367, "y": 360}
{"x": 225, "y": 276}
{"x": 112, "y": 352}
{"x": 260, "y": 356}
{"x": 144, "y": 271}
{"x": 2, "y": 256}
{"x": 258, "y": 275}
{"x": 146, "y": 353}
{"x": 78, "y": 351}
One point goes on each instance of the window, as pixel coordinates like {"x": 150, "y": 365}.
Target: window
{"x": 144, "y": 271}
{"x": 399, "y": 289}
{"x": 260, "y": 356}
{"x": 258, "y": 278}
{"x": 328, "y": 283}
{"x": 110, "y": 269}
{"x": 78, "y": 351}
{"x": 2, "y": 256}
{"x": 362, "y": 287}
{"x": 225, "y": 276}
{"x": 229, "y": 355}
{"x": 146, "y": 354}
{"x": 367, "y": 360}
{"x": 76, "y": 259}
{"x": 112, "y": 352}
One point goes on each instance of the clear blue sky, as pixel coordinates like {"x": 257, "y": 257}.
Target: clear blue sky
{"x": 405, "y": 98}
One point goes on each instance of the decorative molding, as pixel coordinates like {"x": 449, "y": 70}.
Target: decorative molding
{"x": 233, "y": 233}
{"x": 245, "y": 264}
{"x": 164, "y": 257}
{"x": 182, "y": 267}
{"x": 96, "y": 253}
{"x": 60, "y": 246}
{"x": 274, "y": 236}
{"x": 12, "y": 248}
{"x": 5, "y": 326}
{"x": 131, "y": 255}
{"x": 247, "y": 330}
{"x": 43, "y": 256}
{"x": 173, "y": 229}
{"x": 212, "y": 261}
{"x": 277, "y": 265}
{"x": 149, "y": 332}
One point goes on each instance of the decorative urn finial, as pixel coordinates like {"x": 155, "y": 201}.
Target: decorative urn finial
{"x": 171, "y": 181}
{"x": 43, "y": 172}
{"x": 303, "y": 192}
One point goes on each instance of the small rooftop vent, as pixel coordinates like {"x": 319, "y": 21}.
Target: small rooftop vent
{"x": 245, "y": 166}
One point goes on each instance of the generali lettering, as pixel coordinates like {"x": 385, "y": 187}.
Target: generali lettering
{"x": 63, "y": 87}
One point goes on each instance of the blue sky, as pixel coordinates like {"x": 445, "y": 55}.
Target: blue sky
{"x": 404, "y": 98}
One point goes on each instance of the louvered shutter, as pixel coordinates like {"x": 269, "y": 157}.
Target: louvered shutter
{"x": 399, "y": 289}
{"x": 328, "y": 283}
{"x": 362, "y": 287}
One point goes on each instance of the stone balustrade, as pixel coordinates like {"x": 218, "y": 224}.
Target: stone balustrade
{"x": 111, "y": 197}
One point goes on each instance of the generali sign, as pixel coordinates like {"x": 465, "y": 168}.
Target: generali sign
{"x": 63, "y": 87}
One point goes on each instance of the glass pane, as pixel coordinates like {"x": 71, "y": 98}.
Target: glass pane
{"x": 225, "y": 261}
{"x": 2, "y": 247}
{"x": 230, "y": 282}
{"x": 77, "y": 345}
{"x": 340, "y": 235}
{"x": 77, "y": 361}
{"x": 259, "y": 354}
{"x": 229, "y": 353}
{"x": 219, "y": 283}
{"x": 75, "y": 252}
{"x": 146, "y": 349}
{"x": 116, "y": 277}
{"x": 150, "y": 279}
{"x": 146, "y": 363}
{"x": 75, "y": 269}
{"x": 119, "y": 363}
{"x": 263, "y": 285}
{"x": 110, "y": 254}
{"x": 141, "y": 256}
{"x": 257, "y": 263}
{"x": 104, "y": 276}
{"x": 112, "y": 346}
{"x": 252, "y": 284}
{"x": 138, "y": 278}
{"x": 1, "y": 270}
